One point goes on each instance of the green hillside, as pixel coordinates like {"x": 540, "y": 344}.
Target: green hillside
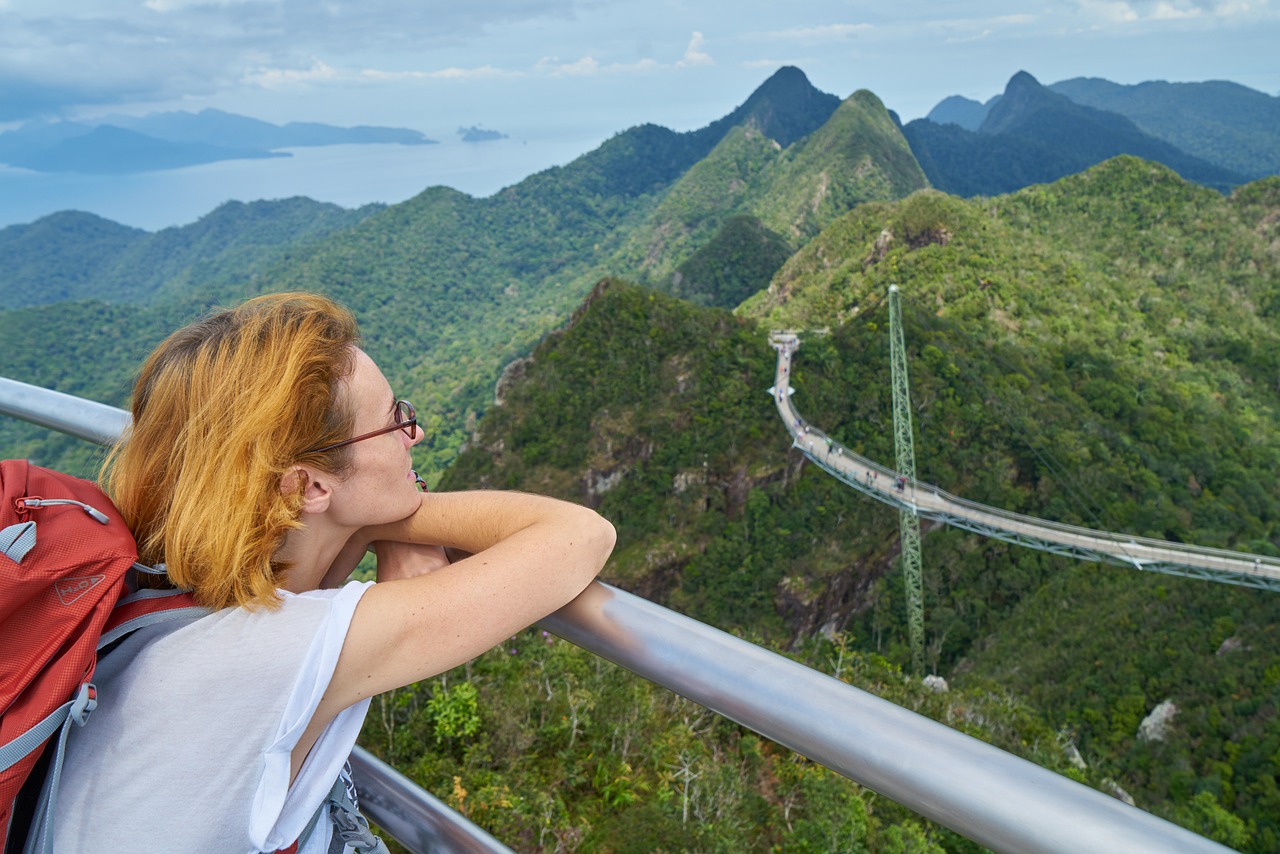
{"x": 1097, "y": 351}
{"x": 653, "y": 410}
{"x": 789, "y": 193}
{"x": 75, "y": 256}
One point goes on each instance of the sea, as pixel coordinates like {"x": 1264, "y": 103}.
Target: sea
{"x": 346, "y": 175}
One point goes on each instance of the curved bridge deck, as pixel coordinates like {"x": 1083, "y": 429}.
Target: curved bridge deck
{"x": 930, "y": 502}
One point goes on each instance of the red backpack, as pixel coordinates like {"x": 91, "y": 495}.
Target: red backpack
{"x": 64, "y": 556}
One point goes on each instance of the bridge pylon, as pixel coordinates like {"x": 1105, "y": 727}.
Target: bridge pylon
{"x": 904, "y": 448}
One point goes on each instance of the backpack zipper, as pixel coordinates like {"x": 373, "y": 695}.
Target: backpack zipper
{"x": 24, "y": 504}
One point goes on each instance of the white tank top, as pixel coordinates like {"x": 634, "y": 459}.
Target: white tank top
{"x": 189, "y": 748}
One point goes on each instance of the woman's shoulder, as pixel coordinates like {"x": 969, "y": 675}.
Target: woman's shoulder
{"x": 226, "y": 639}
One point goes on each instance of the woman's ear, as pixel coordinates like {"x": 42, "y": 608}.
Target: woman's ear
{"x": 313, "y": 485}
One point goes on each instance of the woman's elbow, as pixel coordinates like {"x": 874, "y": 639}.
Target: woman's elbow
{"x": 599, "y": 539}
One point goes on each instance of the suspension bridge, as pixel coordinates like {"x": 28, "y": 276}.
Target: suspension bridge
{"x": 929, "y": 502}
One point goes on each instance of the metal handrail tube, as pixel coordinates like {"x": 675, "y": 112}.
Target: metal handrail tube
{"x": 411, "y": 815}
{"x": 65, "y": 413}
{"x": 982, "y": 792}
{"x": 992, "y": 797}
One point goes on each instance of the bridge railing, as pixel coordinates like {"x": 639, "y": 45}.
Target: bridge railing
{"x": 1261, "y": 569}
{"x": 992, "y": 797}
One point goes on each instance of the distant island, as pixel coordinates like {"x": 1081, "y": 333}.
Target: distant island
{"x": 129, "y": 144}
{"x": 479, "y": 134}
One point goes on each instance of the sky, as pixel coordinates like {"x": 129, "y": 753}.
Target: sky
{"x": 597, "y": 66}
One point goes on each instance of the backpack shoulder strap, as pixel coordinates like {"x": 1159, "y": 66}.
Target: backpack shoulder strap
{"x": 137, "y": 611}
{"x": 148, "y": 607}
{"x": 349, "y": 826}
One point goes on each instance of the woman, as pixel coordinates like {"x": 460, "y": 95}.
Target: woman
{"x": 267, "y": 455}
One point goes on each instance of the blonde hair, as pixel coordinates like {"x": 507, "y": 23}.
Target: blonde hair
{"x": 221, "y": 410}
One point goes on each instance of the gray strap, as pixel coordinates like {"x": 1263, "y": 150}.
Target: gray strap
{"x": 18, "y": 539}
{"x": 349, "y": 826}
{"x": 14, "y": 751}
{"x": 342, "y": 809}
{"x": 188, "y": 614}
{"x": 40, "y": 836}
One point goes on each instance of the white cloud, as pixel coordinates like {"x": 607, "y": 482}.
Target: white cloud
{"x": 694, "y": 54}
{"x": 589, "y": 66}
{"x": 279, "y": 78}
{"x": 165, "y": 6}
{"x": 1108, "y": 12}
{"x": 1169, "y": 12}
{"x": 821, "y": 33}
{"x": 482, "y": 72}
{"x": 583, "y": 67}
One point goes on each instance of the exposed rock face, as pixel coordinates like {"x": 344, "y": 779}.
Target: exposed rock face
{"x": 511, "y": 375}
{"x": 936, "y": 684}
{"x": 1113, "y": 789}
{"x": 1155, "y": 726}
{"x": 1231, "y": 644}
{"x": 1074, "y": 757}
{"x": 598, "y": 483}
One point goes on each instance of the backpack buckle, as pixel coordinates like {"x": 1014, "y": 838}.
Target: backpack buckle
{"x": 85, "y": 702}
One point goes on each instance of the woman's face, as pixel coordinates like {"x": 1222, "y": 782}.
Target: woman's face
{"x": 380, "y": 485}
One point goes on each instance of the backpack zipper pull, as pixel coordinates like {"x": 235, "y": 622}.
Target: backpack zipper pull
{"x": 23, "y": 504}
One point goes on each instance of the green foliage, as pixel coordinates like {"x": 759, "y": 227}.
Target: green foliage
{"x": 77, "y": 256}
{"x": 573, "y": 753}
{"x": 1097, "y": 351}
{"x": 453, "y": 712}
{"x": 738, "y": 261}
{"x": 788, "y": 194}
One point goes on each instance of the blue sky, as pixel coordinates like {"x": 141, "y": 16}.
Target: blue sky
{"x": 597, "y": 65}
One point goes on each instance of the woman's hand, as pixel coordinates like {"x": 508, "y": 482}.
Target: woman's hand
{"x": 407, "y": 560}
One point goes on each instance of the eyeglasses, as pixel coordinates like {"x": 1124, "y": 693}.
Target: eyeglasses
{"x": 406, "y": 420}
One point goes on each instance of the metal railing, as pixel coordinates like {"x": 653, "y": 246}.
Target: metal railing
{"x": 931, "y": 502}
{"x": 992, "y": 797}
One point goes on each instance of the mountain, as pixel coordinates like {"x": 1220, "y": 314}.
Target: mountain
{"x": 1089, "y": 351}
{"x": 57, "y": 257}
{"x": 785, "y": 108}
{"x": 107, "y": 150}
{"x": 771, "y": 196}
{"x": 1033, "y": 135}
{"x": 449, "y": 286}
{"x": 76, "y": 256}
{"x": 126, "y": 144}
{"x": 1223, "y": 123}
{"x": 957, "y": 110}
{"x": 215, "y": 127}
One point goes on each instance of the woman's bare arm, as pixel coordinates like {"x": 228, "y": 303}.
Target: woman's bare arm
{"x": 530, "y": 555}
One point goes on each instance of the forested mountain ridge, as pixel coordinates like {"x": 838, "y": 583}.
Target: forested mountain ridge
{"x": 454, "y": 287}
{"x": 1225, "y": 123}
{"x": 73, "y": 256}
{"x": 1099, "y": 351}
{"x": 788, "y": 193}
{"x": 1033, "y": 135}
{"x": 450, "y": 287}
